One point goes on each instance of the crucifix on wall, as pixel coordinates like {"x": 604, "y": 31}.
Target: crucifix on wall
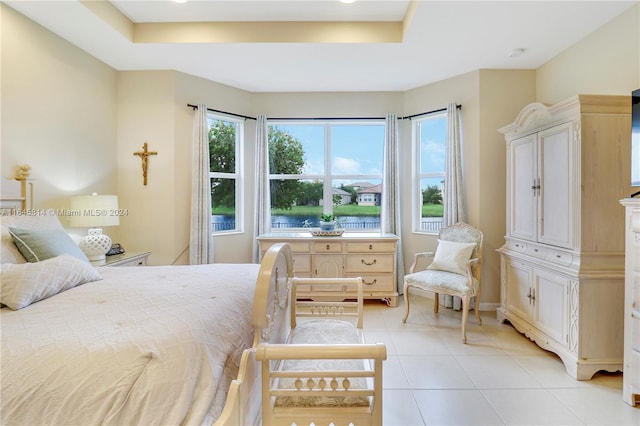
{"x": 144, "y": 156}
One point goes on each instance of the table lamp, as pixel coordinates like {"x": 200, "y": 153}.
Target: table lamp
{"x": 94, "y": 212}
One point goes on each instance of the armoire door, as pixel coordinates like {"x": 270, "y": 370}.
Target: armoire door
{"x": 550, "y": 304}
{"x": 522, "y": 190}
{"x": 557, "y": 172}
{"x": 519, "y": 278}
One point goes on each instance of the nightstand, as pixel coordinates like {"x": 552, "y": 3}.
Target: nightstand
{"x": 128, "y": 259}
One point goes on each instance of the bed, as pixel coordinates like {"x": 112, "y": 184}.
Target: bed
{"x": 131, "y": 345}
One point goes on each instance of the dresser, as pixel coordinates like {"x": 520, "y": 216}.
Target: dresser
{"x": 371, "y": 256}
{"x": 562, "y": 263}
{"x": 631, "y": 373}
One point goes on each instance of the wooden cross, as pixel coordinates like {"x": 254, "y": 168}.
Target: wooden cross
{"x": 144, "y": 154}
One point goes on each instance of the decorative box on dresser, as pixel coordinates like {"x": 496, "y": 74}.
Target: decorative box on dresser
{"x": 371, "y": 256}
{"x": 562, "y": 264}
{"x": 631, "y": 372}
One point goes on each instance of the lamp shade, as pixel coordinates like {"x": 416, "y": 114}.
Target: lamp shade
{"x": 94, "y": 211}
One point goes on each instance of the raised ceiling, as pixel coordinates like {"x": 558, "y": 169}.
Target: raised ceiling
{"x": 322, "y": 45}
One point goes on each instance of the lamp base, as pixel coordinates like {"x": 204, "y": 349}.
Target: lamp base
{"x": 95, "y": 245}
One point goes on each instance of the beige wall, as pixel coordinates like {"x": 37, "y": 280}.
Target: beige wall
{"x": 58, "y": 114}
{"x": 502, "y": 93}
{"x": 605, "y": 62}
{"x": 490, "y": 99}
{"x": 89, "y": 119}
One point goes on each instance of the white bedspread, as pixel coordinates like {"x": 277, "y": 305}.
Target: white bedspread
{"x": 146, "y": 345}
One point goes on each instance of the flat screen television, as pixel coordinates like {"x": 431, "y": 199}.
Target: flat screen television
{"x": 635, "y": 138}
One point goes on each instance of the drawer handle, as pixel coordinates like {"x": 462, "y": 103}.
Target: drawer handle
{"x": 369, "y": 283}
{"x": 370, "y": 246}
{"x": 536, "y": 250}
{"x": 368, "y": 264}
{"x": 558, "y": 256}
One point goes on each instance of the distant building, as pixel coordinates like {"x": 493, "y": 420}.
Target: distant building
{"x": 360, "y": 185}
{"x": 370, "y": 196}
{"x": 344, "y": 196}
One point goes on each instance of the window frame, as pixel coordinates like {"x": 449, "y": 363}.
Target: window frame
{"x": 418, "y": 175}
{"x": 238, "y": 175}
{"x": 327, "y": 178}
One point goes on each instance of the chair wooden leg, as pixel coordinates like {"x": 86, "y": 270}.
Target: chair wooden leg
{"x": 406, "y": 303}
{"x": 436, "y": 303}
{"x": 465, "y": 315}
{"x": 477, "y": 309}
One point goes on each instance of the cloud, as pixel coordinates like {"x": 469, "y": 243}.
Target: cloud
{"x": 433, "y": 152}
{"x": 345, "y": 166}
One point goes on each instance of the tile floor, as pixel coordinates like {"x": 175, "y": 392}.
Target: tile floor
{"x": 499, "y": 378}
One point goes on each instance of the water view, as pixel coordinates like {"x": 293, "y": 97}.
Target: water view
{"x": 226, "y": 222}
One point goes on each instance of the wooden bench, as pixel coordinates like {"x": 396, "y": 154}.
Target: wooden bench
{"x": 324, "y": 372}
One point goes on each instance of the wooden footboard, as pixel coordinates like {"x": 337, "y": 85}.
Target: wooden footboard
{"x": 327, "y": 391}
{"x": 309, "y": 362}
{"x": 325, "y": 373}
{"x": 271, "y": 324}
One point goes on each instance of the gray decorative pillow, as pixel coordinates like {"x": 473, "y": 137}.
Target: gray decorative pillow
{"x": 26, "y": 283}
{"x": 39, "y": 245}
{"x": 9, "y": 253}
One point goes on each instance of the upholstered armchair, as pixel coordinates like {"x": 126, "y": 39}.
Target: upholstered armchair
{"x": 454, "y": 270}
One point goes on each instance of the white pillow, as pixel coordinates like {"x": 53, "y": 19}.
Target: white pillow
{"x": 26, "y": 283}
{"x": 452, "y": 257}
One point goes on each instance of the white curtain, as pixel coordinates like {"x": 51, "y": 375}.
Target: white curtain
{"x": 453, "y": 195}
{"x": 390, "y": 214}
{"x": 262, "y": 218}
{"x": 200, "y": 238}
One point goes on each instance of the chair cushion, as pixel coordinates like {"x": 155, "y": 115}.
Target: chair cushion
{"x": 452, "y": 256}
{"x": 442, "y": 282}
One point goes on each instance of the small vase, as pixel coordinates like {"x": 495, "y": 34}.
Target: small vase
{"x": 327, "y": 226}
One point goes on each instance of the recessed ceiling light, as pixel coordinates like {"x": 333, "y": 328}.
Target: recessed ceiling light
{"x": 179, "y": 1}
{"x": 347, "y": 1}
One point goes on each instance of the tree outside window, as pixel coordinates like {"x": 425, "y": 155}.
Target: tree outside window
{"x": 429, "y": 148}
{"x": 337, "y": 162}
{"x": 225, "y": 165}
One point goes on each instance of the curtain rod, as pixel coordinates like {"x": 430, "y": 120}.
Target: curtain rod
{"x": 409, "y": 117}
{"x": 224, "y": 112}
{"x": 322, "y": 118}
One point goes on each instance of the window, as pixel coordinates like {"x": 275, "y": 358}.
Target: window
{"x": 225, "y": 157}
{"x": 325, "y": 167}
{"x": 429, "y": 171}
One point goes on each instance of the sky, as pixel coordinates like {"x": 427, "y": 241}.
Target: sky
{"x": 357, "y": 149}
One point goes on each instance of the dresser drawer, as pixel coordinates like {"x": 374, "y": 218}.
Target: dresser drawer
{"x": 327, "y": 247}
{"x": 634, "y": 322}
{"x": 380, "y": 282}
{"x": 369, "y": 263}
{"x": 372, "y": 247}
{"x": 296, "y": 246}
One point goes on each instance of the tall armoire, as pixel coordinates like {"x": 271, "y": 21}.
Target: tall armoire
{"x": 562, "y": 263}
